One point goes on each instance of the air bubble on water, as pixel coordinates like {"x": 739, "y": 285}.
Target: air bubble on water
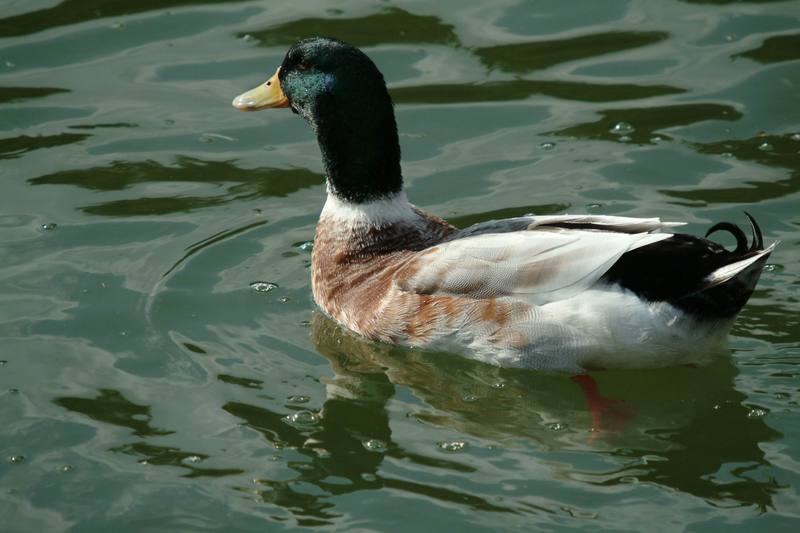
{"x": 118, "y": 26}
{"x": 48, "y": 226}
{"x": 499, "y": 384}
{"x": 192, "y": 459}
{"x": 298, "y": 398}
{"x": 452, "y": 446}
{"x": 263, "y": 286}
{"x": 16, "y": 459}
{"x": 656, "y": 139}
{"x": 248, "y": 38}
{"x": 765, "y": 147}
{"x": 625, "y": 139}
{"x": 66, "y": 468}
{"x": 556, "y": 426}
{"x": 594, "y": 206}
{"x": 622, "y": 128}
{"x": 469, "y": 398}
{"x": 366, "y": 476}
{"x": 726, "y": 155}
{"x": 772, "y": 267}
{"x": 795, "y": 137}
{"x": 283, "y": 299}
{"x": 305, "y": 246}
{"x": 756, "y": 412}
{"x": 547, "y": 146}
{"x": 374, "y": 445}
{"x": 302, "y": 419}
{"x": 10, "y": 64}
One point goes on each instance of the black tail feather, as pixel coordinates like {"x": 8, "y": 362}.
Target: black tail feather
{"x": 736, "y": 231}
{"x": 758, "y": 238}
{"x": 677, "y": 270}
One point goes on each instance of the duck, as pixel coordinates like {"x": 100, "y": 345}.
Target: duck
{"x": 563, "y": 293}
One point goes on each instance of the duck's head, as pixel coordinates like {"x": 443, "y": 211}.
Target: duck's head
{"x": 339, "y": 91}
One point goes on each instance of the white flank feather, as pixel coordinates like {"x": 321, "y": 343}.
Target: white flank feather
{"x": 535, "y": 266}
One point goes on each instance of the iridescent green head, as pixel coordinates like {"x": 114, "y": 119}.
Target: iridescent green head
{"x": 342, "y": 94}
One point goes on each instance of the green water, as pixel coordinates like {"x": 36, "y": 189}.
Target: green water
{"x": 144, "y": 384}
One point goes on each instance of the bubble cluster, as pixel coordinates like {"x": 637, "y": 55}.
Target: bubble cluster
{"x": 452, "y": 446}
{"x": 263, "y": 286}
{"x": 374, "y": 445}
{"x": 622, "y": 128}
{"x": 302, "y": 419}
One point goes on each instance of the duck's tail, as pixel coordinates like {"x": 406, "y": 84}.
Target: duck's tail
{"x": 727, "y": 288}
{"x": 696, "y": 275}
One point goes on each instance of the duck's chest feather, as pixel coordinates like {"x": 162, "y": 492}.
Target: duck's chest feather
{"x": 357, "y": 266}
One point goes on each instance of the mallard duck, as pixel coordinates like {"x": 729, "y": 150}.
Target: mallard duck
{"x": 563, "y": 292}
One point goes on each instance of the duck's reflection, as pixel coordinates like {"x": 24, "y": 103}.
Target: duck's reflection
{"x": 337, "y": 447}
{"x": 682, "y": 428}
{"x": 685, "y": 429}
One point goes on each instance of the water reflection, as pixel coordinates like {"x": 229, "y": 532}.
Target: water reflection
{"x": 503, "y": 91}
{"x": 769, "y": 150}
{"x": 17, "y": 94}
{"x": 685, "y": 429}
{"x": 68, "y": 12}
{"x": 168, "y": 456}
{"x": 775, "y": 49}
{"x": 241, "y": 184}
{"x": 392, "y": 25}
{"x": 333, "y": 447}
{"x": 520, "y": 58}
{"x": 14, "y": 147}
{"x": 648, "y": 120}
{"x": 111, "y": 407}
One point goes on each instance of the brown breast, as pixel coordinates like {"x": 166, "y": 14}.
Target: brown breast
{"x": 353, "y": 271}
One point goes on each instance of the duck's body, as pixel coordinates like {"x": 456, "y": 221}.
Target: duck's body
{"x": 558, "y": 293}
{"x": 526, "y": 292}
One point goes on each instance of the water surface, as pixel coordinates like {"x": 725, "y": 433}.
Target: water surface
{"x": 146, "y": 385}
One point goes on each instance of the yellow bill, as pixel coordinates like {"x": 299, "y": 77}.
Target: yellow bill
{"x": 268, "y": 94}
